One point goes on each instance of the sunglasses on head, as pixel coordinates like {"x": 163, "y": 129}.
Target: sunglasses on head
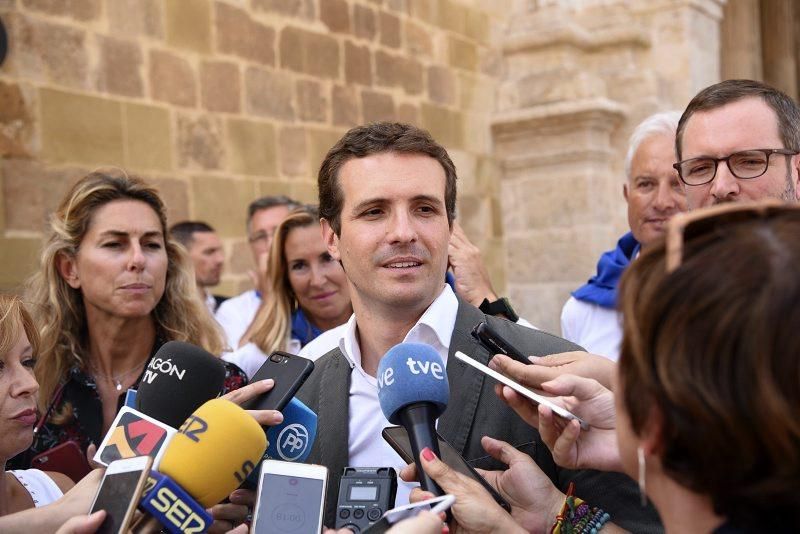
{"x": 685, "y": 227}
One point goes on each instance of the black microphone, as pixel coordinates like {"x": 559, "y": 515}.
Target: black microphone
{"x": 413, "y": 392}
{"x": 178, "y": 380}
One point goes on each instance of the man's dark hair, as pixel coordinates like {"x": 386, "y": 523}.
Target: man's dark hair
{"x": 374, "y": 138}
{"x": 267, "y": 202}
{"x": 723, "y": 93}
{"x": 183, "y": 232}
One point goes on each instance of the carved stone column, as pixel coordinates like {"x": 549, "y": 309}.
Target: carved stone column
{"x": 780, "y": 51}
{"x": 578, "y": 77}
{"x": 741, "y": 40}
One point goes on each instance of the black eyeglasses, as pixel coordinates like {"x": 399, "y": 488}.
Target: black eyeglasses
{"x": 744, "y": 165}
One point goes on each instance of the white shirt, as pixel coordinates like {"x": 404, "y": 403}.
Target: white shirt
{"x": 211, "y": 302}
{"x": 365, "y": 445}
{"x": 249, "y": 358}
{"x": 42, "y": 489}
{"x": 235, "y": 315}
{"x": 597, "y": 329}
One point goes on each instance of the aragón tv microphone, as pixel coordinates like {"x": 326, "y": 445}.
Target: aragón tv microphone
{"x": 413, "y": 392}
{"x": 179, "y": 378}
{"x": 214, "y": 451}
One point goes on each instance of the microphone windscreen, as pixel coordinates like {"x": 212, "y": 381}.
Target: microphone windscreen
{"x": 291, "y": 440}
{"x": 411, "y": 373}
{"x": 179, "y": 378}
{"x": 214, "y": 451}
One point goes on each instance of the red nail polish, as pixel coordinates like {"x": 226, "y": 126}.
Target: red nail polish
{"x": 445, "y": 529}
{"x": 427, "y": 453}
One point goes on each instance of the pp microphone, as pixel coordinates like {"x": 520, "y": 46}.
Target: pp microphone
{"x": 413, "y": 392}
{"x": 214, "y": 451}
{"x": 290, "y": 441}
{"x": 179, "y": 378}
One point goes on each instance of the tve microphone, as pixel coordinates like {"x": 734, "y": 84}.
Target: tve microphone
{"x": 214, "y": 451}
{"x": 179, "y": 378}
{"x": 290, "y": 441}
{"x": 413, "y": 392}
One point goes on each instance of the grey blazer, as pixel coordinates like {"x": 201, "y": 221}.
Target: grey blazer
{"x": 474, "y": 411}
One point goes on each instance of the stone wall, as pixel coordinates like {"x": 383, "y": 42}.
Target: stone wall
{"x": 219, "y": 102}
{"x": 579, "y": 76}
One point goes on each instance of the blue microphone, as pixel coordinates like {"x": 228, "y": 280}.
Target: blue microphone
{"x": 290, "y": 441}
{"x": 172, "y": 507}
{"x": 413, "y": 392}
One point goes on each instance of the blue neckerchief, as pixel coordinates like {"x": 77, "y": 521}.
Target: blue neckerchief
{"x": 302, "y": 329}
{"x": 450, "y": 279}
{"x": 601, "y": 289}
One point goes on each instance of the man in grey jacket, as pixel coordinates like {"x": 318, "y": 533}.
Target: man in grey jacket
{"x": 387, "y": 202}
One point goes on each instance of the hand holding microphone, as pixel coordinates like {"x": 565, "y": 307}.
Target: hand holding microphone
{"x": 215, "y": 450}
{"x": 413, "y": 392}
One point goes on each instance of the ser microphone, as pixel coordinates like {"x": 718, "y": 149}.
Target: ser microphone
{"x": 179, "y": 378}
{"x": 413, "y": 392}
{"x": 213, "y": 452}
{"x": 290, "y": 441}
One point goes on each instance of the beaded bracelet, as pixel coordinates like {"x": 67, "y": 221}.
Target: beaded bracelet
{"x": 577, "y": 517}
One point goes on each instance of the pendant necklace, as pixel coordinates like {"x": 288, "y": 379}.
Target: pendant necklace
{"x": 117, "y": 380}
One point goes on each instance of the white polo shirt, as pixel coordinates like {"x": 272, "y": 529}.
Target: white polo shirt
{"x": 365, "y": 445}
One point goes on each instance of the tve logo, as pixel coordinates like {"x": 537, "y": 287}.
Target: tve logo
{"x": 415, "y": 367}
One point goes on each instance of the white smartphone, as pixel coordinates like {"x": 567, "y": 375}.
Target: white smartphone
{"x": 120, "y": 491}
{"x": 291, "y": 498}
{"x": 522, "y": 390}
{"x": 395, "y": 515}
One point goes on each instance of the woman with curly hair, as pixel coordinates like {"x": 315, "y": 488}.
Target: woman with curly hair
{"x": 110, "y": 290}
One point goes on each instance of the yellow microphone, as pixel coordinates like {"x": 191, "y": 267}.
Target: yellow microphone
{"x": 214, "y": 451}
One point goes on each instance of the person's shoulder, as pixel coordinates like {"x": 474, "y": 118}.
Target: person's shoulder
{"x": 323, "y": 343}
{"x": 61, "y": 480}
{"x": 532, "y": 341}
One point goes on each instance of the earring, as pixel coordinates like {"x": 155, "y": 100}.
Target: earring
{"x": 642, "y": 485}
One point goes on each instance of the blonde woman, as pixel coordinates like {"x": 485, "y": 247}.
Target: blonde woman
{"x": 110, "y": 290}
{"x": 308, "y": 293}
{"x": 19, "y": 346}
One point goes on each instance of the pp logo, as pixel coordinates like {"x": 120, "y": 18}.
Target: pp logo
{"x": 292, "y": 442}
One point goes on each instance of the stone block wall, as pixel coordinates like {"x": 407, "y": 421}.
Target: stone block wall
{"x": 220, "y": 101}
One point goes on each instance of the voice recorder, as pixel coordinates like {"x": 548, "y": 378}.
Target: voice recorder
{"x": 365, "y": 494}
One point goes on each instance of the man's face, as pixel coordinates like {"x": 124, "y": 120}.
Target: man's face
{"x": 742, "y": 125}
{"x": 262, "y": 229}
{"x": 653, "y": 192}
{"x": 394, "y": 230}
{"x": 208, "y": 257}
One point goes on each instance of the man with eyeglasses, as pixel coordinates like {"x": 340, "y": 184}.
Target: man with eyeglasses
{"x": 263, "y": 217}
{"x": 739, "y": 140}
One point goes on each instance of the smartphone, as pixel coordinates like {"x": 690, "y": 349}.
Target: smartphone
{"x": 120, "y": 492}
{"x": 522, "y": 390}
{"x": 397, "y": 438}
{"x": 291, "y": 498}
{"x": 289, "y": 372}
{"x": 66, "y": 458}
{"x": 497, "y": 344}
{"x": 395, "y": 515}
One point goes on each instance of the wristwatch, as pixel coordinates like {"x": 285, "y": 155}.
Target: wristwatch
{"x": 500, "y": 306}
